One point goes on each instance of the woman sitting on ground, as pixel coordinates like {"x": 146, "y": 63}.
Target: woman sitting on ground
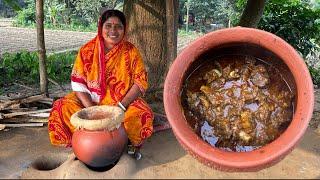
{"x": 108, "y": 70}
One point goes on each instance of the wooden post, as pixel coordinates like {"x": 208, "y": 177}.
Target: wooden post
{"x": 41, "y": 48}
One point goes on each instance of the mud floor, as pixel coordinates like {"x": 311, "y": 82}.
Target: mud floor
{"x": 27, "y": 153}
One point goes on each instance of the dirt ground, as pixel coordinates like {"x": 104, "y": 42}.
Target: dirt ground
{"x": 15, "y": 39}
{"x": 24, "y": 151}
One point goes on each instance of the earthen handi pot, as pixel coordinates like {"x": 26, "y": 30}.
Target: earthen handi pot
{"x": 100, "y": 138}
{"x": 244, "y": 41}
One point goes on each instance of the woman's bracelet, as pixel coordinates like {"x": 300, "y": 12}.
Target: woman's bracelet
{"x": 121, "y": 106}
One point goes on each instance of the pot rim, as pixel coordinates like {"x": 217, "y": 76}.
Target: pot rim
{"x": 268, "y": 154}
{"x": 109, "y": 123}
{"x": 82, "y": 129}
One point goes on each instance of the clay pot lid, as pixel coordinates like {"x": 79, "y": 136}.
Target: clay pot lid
{"x": 103, "y": 117}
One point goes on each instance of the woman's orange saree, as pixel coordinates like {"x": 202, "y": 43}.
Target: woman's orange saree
{"x": 107, "y": 78}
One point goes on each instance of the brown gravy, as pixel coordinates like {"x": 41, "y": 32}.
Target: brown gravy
{"x": 237, "y": 103}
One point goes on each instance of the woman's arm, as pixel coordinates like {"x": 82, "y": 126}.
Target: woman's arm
{"x": 85, "y": 99}
{"x": 132, "y": 94}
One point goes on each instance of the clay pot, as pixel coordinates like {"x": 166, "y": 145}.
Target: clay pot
{"x": 100, "y": 138}
{"x": 243, "y": 41}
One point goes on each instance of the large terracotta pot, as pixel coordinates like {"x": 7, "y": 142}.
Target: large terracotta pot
{"x": 100, "y": 137}
{"x": 245, "y": 41}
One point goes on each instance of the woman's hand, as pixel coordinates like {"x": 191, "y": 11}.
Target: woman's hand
{"x": 85, "y": 99}
{"x": 132, "y": 94}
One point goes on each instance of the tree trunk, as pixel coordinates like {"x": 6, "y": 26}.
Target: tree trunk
{"x": 252, "y": 13}
{"x": 172, "y": 16}
{"x": 154, "y": 34}
{"x": 41, "y": 48}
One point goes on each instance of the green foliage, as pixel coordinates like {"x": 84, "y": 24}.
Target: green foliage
{"x": 73, "y": 26}
{"x": 88, "y": 10}
{"x": 183, "y": 33}
{"x": 14, "y": 4}
{"x": 294, "y": 21}
{"x": 315, "y": 74}
{"x": 27, "y": 16}
{"x": 24, "y": 67}
{"x": 54, "y": 11}
{"x": 209, "y": 11}
{"x": 238, "y": 9}
{"x": 59, "y": 66}
{"x": 78, "y": 15}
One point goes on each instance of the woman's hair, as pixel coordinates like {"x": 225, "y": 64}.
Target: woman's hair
{"x": 113, "y": 13}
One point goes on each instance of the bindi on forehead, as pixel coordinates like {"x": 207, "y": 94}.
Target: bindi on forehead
{"x": 113, "y": 20}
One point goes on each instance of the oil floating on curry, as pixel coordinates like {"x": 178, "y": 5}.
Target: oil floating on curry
{"x": 237, "y": 103}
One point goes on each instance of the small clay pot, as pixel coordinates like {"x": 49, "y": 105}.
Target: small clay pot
{"x": 100, "y": 138}
{"x": 240, "y": 41}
